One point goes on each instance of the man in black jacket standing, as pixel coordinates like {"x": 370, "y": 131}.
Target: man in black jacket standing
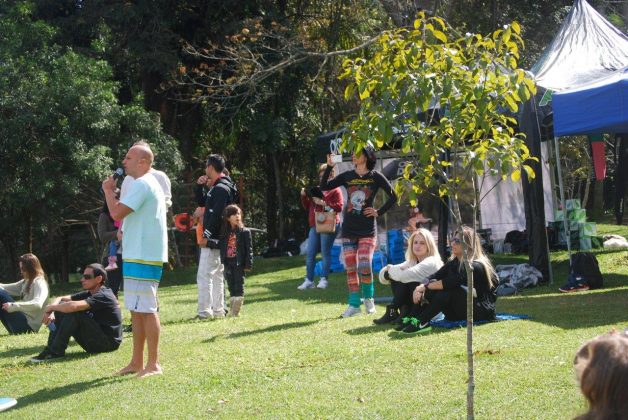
{"x": 210, "y": 276}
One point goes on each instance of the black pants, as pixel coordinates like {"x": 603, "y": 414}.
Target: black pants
{"x": 234, "y": 274}
{"x": 402, "y": 293}
{"x": 452, "y": 303}
{"x": 86, "y": 332}
{"x": 114, "y": 277}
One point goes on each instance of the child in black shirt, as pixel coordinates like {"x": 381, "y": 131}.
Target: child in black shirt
{"x": 236, "y": 253}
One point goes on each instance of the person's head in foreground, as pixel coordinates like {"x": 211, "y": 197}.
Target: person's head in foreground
{"x": 602, "y": 370}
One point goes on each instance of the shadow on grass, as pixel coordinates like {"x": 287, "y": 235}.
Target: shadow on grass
{"x": 397, "y": 335}
{"x": 35, "y": 350}
{"x": 394, "y": 335}
{"x": 369, "y": 329}
{"x": 573, "y": 310}
{"x": 24, "y": 351}
{"x": 48, "y": 394}
{"x": 272, "y": 328}
{"x": 336, "y": 291}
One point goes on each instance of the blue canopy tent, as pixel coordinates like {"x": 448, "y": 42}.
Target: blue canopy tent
{"x": 597, "y": 107}
{"x": 586, "y": 50}
{"x": 600, "y": 106}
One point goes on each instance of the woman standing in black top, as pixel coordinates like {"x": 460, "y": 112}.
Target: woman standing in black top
{"x": 359, "y": 228}
{"x": 446, "y": 290}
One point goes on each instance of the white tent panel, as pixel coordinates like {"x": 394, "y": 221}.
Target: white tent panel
{"x": 502, "y": 208}
{"x": 586, "y": 48}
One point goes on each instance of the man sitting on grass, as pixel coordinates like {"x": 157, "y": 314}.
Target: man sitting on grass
{"x": 92, "y": 317}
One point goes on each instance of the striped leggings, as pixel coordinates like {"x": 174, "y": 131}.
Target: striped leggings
{"x": 358, "y": 256}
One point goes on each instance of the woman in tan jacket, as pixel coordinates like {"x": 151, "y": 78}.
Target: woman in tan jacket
{"x": 25, "y": 315}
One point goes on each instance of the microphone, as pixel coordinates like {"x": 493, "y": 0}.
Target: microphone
{"x": 118, "y": 173}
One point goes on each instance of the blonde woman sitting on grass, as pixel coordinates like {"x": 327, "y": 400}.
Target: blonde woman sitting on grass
{"x": 422, "y": 260}
{"x": 446, "y": 290}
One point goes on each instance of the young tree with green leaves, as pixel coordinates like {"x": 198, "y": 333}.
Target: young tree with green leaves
{"x": 454, "y": 98}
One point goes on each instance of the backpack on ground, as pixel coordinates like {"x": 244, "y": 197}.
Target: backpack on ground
{"x": 585, "y": 265}
{"x": 518, "y": 241}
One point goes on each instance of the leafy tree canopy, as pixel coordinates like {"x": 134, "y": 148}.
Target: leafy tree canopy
{"x": 448, "y": 96}
{"x": 62, "y": 129}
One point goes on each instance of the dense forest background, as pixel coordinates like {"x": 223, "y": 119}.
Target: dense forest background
{"x": 254, "y": 80}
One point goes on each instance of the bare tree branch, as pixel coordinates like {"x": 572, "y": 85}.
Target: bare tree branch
{"x": 230, "y": 75}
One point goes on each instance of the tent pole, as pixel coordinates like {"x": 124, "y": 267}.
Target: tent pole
{"x": 552, "y": 184}
{"x": 562, "y": 199}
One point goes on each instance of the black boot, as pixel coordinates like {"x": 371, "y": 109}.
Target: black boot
{"x": 404, "y": 312}
{"x": 390, "y": 315}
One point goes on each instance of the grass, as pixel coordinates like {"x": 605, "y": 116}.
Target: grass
{"x": 289, "y": 355}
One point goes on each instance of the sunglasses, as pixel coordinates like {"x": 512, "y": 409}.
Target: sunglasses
{"x": 88, "y": 276}
{"x": 456, "y": 241}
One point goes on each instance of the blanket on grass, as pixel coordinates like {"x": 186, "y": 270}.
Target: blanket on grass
{"x": 441, "y": 322}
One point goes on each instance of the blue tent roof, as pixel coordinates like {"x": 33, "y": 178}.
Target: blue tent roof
{"x": 596, "y": 107}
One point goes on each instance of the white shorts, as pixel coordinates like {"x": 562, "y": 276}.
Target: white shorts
{"x": 141, "y": 296}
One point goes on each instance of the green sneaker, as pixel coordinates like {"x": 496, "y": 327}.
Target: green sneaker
{"x": 404, "y": 323}
{"x": 417, "y": 327}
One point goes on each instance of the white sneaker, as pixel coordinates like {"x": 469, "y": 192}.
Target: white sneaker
{"x": 307, "y": 284}
{"x": 369, "y": 304}
{"x": 350, "y": 311}
{"x": 322, "y": 283}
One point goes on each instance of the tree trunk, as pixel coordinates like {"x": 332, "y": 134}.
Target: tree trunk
{"x": 469, "y": 271}
{"x": 403, "y": 12}
{"x": 395, "y": 11}
{"x": 180, "y": 120}
{"x": 280, "y": 212}
{"x": 271, "y": 205}
{"x": 494, "y": 13}
{"x": 597, "y": 206}
{"x": 9, "y": 244}
{"x": 65, "y": 258}
{"x": 29, "y": 234}
{"x": 587, "y": 188}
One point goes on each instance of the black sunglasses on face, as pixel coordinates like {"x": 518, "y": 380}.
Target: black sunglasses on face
{"x": 88, "y": 276}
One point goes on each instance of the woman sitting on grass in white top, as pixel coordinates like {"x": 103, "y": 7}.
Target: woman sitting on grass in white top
{"x": 422, "y": 260}
{"x": 25, "y": 315}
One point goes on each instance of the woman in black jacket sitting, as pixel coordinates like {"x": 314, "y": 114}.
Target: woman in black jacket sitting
{"x": 446, "y": 290}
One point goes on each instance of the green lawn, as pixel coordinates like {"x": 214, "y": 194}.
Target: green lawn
{"x": 289, "y": 355}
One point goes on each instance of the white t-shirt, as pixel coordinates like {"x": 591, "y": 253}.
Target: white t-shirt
{"x": 164, "y": 181}
{"x": 160, "y": 176}
{"x": 145, "y": 237}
